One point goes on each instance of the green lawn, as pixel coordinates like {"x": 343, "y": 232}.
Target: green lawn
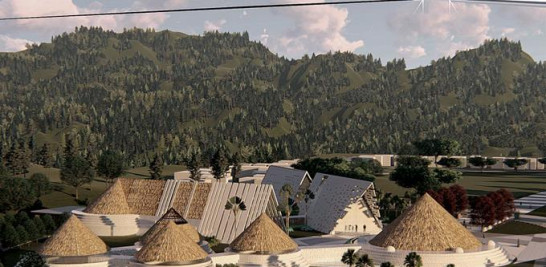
{"x": 520, "y": 184}
{"x": 517, "y": 228}
{"x": 539, "y": 212}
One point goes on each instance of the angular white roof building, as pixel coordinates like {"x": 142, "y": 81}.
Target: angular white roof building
{"x": 343, "y": 205}
{"x": 277, "y": 176}
{"x": 219, "y": 222}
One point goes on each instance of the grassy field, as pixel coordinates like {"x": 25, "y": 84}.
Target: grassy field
{"x": 64, "y": 195}
{"x": 520, "y": 184}
{"x": 517, "y": 228}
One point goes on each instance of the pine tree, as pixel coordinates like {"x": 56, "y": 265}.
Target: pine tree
{"x": 156, "y": 167}
{"x": 32, "y": 230}
{"x": 193, "y": 165}
{"x": 69, "y": 152}
{"x": 39, "y": 225}
{"x": 22, "y": 233}
{"x": 49, "y": 223}
{"x": 44, "y": 157}
{"x": 23, "y": 158}
{"x": 10, "y": 237}
{"x": 10, "y": 159}
{"x": 219, "y": 164}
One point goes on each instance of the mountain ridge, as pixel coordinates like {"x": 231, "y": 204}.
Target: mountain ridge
{"x": 107, "y": 90}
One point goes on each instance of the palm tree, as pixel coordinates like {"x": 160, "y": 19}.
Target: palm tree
{"x": 413, "y": 260}
{"x": 307, "y": 197}
{"x": 386, "y": 264}
{"x": 236, "y": 205}
{"x": 349, "y": 257}
{"x": 285, "y": 204}
{"x": 364, "y": 261}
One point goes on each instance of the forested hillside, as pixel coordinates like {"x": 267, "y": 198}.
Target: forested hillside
{"x": 143, "y": 92}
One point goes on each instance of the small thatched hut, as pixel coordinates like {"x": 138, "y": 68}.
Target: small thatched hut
{"x": 426, "y": 226}
{"x": 72, "y": 244}
{"x": 171, "y": 216}
{"x": 172, "y": 246}
{"x": 113, "y": 201}
{"x": 264, "y": 243}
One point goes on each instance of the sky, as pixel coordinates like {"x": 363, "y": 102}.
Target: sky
{"x": 386, "y": 30}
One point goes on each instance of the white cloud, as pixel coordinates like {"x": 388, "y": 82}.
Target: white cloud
{"x": 264, "y": 37}
{"x": 46, "y": 28}
{"x": 412, "y": 51}
{"x": 316, "y": 28}
{"x": 8, "y": 44}
{"x": 214, "y": 25}
{"x": 468, "y": 26}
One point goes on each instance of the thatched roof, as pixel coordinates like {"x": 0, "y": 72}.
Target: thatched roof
{"x": 170, "y": 245}
{"x": 171, "y": 216}
{"x": 263, "y": 236}
{"x": 73, "y": 238}
{"x": 113, "y": 201}
{"x": 426, "y": 226}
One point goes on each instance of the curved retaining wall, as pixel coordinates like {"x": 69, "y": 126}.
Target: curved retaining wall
{"x": 488, "y": 257}
{"x": 116, "y": 225}
{"x": 326, "y": 255}
{"x": 280, "y": 260}
{"x": 203, "y": 264}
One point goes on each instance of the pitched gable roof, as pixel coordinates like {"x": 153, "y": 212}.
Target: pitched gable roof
{"x": 220, "y": 223}
{"x": 333, "y": 194}
{"x": 426, "y": 226}
{"x": 279, "y": 176}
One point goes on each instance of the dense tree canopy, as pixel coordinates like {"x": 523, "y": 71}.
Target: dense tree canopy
{"x": 358, "y": 169}
{"x": 414, "y": 172}
{"x": 143, "y": 92}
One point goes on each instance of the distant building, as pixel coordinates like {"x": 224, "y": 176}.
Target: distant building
{"x": 343, "y": 205}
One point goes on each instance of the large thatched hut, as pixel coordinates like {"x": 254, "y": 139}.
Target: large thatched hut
{"x": 74, "y": 244}
{"x": 428, "y": 229}
{"x": 171, "y": 246}
{"x": 264, "y": 243}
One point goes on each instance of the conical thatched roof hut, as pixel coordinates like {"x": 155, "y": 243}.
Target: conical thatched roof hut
{"x": 264, "y": 236}
{"x": 113, "y": 201}
{"x": 171, "y": 245}
{"x": 171, "y": 216}
{"x": 426, "y": 226}
{"x": 73, "y": 238}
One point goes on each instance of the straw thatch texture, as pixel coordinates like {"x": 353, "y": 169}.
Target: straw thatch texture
{"x": 73, "y": 238}
{"x": 426, "y": 226}
{"x": 171, "y": 216}
{"x": 182, "y": 196}
{"x": 144, "y": 196}
{"x": 113, "y": 201}
{"x": 199, "y": 201}
{"x": 170, "y": 245}
{"x": 265, "y": 236}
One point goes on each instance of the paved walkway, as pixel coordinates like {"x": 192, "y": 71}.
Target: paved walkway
{"x": 530, "y": 203}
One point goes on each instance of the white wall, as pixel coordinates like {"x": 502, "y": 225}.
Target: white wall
{"x": 327, "y": 255}
{"x": 116, "y": 225}
{"x": 354, "y": 220}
